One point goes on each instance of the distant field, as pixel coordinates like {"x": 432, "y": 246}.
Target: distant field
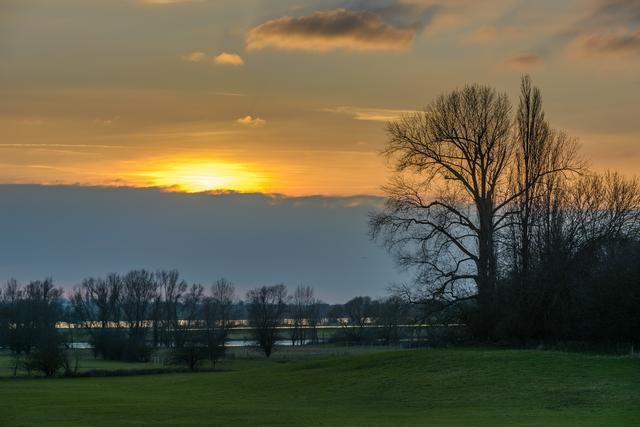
{"x": 237, "y": 358}
{"x": 466, "y": 387}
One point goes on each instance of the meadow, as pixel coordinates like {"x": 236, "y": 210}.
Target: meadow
{"x": 354, "y": 386}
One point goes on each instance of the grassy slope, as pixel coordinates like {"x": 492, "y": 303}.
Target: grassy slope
{"x": 411, "y": 387}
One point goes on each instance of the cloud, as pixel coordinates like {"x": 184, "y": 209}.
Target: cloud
{"x": 228, "y": 59}
{"x": 369, "y": 114}
{"x": 250, "y": 121}
{"x": 335, "y": 29}
{"x": 195, "y": 57}
{"x": 621, "y": 43}
{"x": 610, "y": 30}
{"x": 483, "y": 34}
{"x": 490, "y": 33}
{"x": 165, "y": 2}
{"x": 230, "y": 94}
{"x": 524, "y": 62}
{"x": 616, "y": 10}
{"x": 222, "y": 59}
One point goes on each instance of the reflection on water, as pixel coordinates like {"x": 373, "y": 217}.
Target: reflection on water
{"x": 230, "y": 343}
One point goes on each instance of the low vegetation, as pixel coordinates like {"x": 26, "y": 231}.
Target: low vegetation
{"x": 409, "y": 387}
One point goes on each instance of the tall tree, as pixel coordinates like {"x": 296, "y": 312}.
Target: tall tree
{"x": 171, "y": 290}
{"x": 451, "y": 192}
{"x": 139, "y": 291}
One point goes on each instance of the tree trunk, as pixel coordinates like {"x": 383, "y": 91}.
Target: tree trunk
{"x": 486, "y": 265}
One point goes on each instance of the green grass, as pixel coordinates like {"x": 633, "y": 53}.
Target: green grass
{"x": 466, "y": 387}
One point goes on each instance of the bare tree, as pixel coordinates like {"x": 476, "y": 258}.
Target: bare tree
{"x": 266, "y": 306}
{"x": 360, "y": 312}
{"x": 42, "y": 307}
{"x": 302, "y": 303}
{"x": 96, "y": 303}
{"x": 13, "y": 323}
{"x": 541, "y": 155}
{"x": 451, "y": 193}
{"x": 171, "y": 290}
{"x": 314, "y": 317}
{"x": 190, "y": 348}
{"x": 389, "y": 315}
{"x": 138, "y": 293}
{"x": 217, "y": 318}
{"x": 580, "y": 224}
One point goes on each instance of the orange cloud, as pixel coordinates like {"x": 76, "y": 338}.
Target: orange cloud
{"x": 228, "y": 59}
{"x": 222, "y": 59}
{"x": 165, "y": 2}
{"x": 325, "y": 31}
{"x": 370, "y": 114}
{"x": 250, "y": 121}
{"x": 195, "y": 57}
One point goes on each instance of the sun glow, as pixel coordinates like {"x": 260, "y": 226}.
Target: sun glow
{"x": 194, "y": 177}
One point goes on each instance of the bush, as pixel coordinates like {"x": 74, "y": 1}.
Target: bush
{"x": 48, "y": 357}
{"x": 190, "y": 355}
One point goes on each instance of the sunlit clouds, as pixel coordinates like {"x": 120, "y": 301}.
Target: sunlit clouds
{"x": 195, "y": 57}
{"x": 194, "y": 176}
{"x": 223, "y": 58}
{"x": 369, "y": 114}
{"x": 290, "y": 96}
{"x": 228, "y": 59}
{"x": 335, "y": 29}
{"x": 252, "y": 122}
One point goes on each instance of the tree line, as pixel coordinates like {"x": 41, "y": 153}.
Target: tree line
{"x": 128, "y": 316}
{"x": 504, "y": 225}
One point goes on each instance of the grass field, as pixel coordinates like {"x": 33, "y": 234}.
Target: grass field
{"x": 466, "y": 387}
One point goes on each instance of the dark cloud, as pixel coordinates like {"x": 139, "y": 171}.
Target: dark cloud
{"x": 416, "y": 15}
{"x": 329, "y": 30}
{"x": 618, "y": 10}
{"x": 610, "y": 27}
{"x": 71, "y": 232}
{"x": 524, "y": 62}
{"x": 620, "y": 43}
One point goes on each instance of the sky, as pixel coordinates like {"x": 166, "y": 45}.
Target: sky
{"x": 74, "y": 232}
{"x": 290, "y": 97}
{"x": 286, "y": 97}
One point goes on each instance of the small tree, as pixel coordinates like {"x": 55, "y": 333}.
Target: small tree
{"x": 301, "y": 310}
{"x": 217, "y": 319}
{"x": 190, "y": 348}
{"x": 267, "y": 306}
{"x": 360, "y": 312}
{"x": 48, "y": 356}
{"x": 314, "y": 317}
{"x": 389, "y": 315}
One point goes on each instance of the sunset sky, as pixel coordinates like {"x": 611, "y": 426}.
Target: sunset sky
{"x": 284, "y": 101}
{"x": 290, "y": 96}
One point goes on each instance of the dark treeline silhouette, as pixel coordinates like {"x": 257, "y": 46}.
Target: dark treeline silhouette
{"x": 124, "y": 317}
{"x": 505, "y": 226}
{"x": 28, "y": 317}
{"x": 129, "y": 316}
{"x": 389, "y": 316}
